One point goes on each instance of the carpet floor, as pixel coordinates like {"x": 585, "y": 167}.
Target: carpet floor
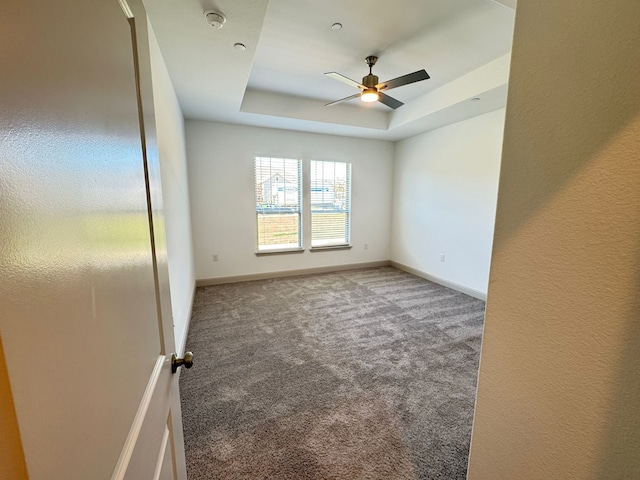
{"x": 361, "y": 374}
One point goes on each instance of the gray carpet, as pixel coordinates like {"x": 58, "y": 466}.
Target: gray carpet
{"x": 363, "y": 374}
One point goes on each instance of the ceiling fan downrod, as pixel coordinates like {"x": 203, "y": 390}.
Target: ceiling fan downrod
{"x": 371, "y": 61}
{"x": 370, "y": 81}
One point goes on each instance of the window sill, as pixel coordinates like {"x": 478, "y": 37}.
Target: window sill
{"x": 284, "y": 251}
{"x": 330, "y": 247}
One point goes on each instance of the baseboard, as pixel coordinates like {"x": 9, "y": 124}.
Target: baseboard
{"x": 455, "y": 286}
{"x": 203, "y": 282}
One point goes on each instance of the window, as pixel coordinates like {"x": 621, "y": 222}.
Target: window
{"x": 278, "y": 203}
{"x": 330, "y": 203}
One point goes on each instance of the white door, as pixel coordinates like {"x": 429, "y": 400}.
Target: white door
{"x": 85, "y": 319}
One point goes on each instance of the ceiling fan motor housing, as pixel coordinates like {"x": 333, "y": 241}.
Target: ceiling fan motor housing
{"x": 370, "y": 81}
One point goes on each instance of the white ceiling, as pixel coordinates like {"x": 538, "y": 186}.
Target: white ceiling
{"x": 278, "y": 80}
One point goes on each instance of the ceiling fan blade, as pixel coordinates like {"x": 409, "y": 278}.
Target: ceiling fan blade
{"x": 404, "y": 80}
{"x": 389, "y": 101}
{"x": 343, "y": 79}
{"x": 351, "y": 97}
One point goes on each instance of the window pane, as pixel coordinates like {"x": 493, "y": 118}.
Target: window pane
{"x": 278, "y": 203}
{"x": 330, "y": 203}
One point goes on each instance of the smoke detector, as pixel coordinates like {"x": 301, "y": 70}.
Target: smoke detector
{"x": 215, "y": 19}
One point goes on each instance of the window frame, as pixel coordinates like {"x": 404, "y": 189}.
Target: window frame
{"x": 285, "y": 248}
{"x": 347, "y": 209}
{"x": 305, "y": 208}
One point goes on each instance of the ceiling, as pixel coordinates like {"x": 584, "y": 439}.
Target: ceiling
{"x": 278, "y": 80}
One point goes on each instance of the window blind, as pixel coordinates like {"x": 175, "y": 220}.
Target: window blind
{"x": 278, "y": 203}
{"x": 330, "y": 203}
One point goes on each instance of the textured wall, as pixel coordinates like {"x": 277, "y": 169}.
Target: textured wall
{"x": 559, "y": 385}
{"x": 444, "y": 200}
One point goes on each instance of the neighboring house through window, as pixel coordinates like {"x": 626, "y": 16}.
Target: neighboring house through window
{"x": 278, "y": 203}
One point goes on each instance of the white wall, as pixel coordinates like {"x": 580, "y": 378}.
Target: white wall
{"x": 221, "y": 158}
{"x": 175, "y": 192}
{"x": 559, "y": 384}
{"x": 444, "y": 197}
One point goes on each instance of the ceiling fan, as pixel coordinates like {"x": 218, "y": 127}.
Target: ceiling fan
{"x": 371, "y": 90}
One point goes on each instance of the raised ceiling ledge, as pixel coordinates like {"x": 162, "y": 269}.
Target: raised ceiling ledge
{"x": 486, "y": 82}
{"x": 300, "y": 108}
{"x": 448, "y": 104}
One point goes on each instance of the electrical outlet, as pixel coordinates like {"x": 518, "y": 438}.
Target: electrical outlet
{"x": 214, "y": 257}
{"x": 442, "y": 257}
{"x": 366, "y": 246}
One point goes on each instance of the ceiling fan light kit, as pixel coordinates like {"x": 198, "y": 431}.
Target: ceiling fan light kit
{"x": 369, "y": 95}
{"x": 371, "y": 90}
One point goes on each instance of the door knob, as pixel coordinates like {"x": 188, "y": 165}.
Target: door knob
{"x": 176, "y": 361}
